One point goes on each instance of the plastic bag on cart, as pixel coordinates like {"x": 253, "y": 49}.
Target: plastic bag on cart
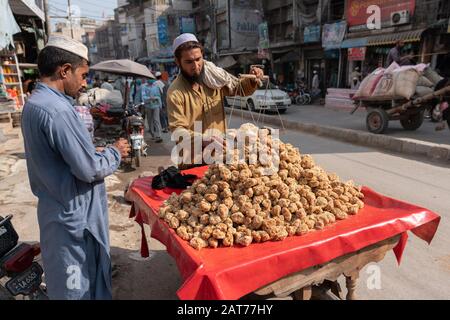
{"x": 172, "y": 178}
{"x": 101, "y": 96}
{"x": 422, "y": 91}
{"x": 400, "y": 83}
{"x": 425, "y": 82}
{"x": 369, "y": 84}
{"x": 432, "y": 75}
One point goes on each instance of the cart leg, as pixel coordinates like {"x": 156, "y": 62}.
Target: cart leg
{"x": 303, "y": 294}
{"x": 351, "y": 281}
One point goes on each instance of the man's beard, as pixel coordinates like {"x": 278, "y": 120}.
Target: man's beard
{"x": 192, "y": 79}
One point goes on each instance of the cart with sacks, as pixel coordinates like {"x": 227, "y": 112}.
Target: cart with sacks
{"x": 398, "y": 93}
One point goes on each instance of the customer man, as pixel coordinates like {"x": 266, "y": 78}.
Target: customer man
{"x": 67, "y": 175}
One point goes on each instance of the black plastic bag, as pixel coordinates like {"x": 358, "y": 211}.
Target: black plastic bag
{"x": 172, "y": 178}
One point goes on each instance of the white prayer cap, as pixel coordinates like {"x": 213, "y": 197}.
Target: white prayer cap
{"x": 183, "y": 38}
{"x": 68, "y": 44}
{"x": 158, "y": 74}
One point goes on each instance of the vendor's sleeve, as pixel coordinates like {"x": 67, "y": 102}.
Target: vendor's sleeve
{"x": 78, "y": 151}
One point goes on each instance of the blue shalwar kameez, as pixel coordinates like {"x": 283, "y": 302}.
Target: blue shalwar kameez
{"x": 67, "y": 175}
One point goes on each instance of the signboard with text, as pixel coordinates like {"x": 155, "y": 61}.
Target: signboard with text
{"x": 163, "y": 30}
{"x": 356, "y": 11}
{"x": 311, "y": 34}
{"x": 333, "y": 35}
{"x": 263, "y": 31}
{"x": 187, "y": 25}
{"x": 357, "y": 54}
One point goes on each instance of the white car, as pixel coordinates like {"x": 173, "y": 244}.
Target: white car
{"x": 269, "y": 99}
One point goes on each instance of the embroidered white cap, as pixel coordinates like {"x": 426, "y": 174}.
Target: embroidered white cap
{"x": 183, "y": 38}
{"x": 158, "y": 74}
{"x": 68, "y": 44}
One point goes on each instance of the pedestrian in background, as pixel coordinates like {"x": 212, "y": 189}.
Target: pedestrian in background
{"x": 136, "y": 92}
{"x": 152, "y": 98}
{"x": 315, "y": 85}
{"x": 163, "y": 90}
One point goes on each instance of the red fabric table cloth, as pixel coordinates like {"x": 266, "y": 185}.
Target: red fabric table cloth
{"x": 230, "y": 273}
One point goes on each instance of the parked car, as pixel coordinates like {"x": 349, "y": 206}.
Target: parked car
{"x": 267, "y": 97}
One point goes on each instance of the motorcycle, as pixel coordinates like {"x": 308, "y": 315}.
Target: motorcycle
{"x": 292, "y": 93}
{"x": 19, "y": 265}
{"x": 104, "y": 113}
{"x": 134, "y": 128}
{"x": 303, "y": 97}
{"x": 299, "y": 95}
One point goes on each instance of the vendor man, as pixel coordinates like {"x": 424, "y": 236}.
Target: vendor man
{"x": 67, "y": 174}
{"x": 190, "y": 100}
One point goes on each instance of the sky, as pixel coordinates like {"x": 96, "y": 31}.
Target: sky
{"x": 95, "y": 9}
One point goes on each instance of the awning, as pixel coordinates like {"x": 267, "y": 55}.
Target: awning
{"x": 291, "y": 56}
{"x": 28, "y": 8}
{"x": 354, "y": 43}
{"x": 386, "y": 39}
{"x": 226, "y": 62}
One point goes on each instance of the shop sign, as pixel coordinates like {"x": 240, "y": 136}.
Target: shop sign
{"x": 311, "y": 34}
{"x": 357, "y": 54}
{"x": 333, "y": 35}
{"x": 162, "y": 30}
{"x": 263, "y": 30}
{"x": 356, "y": 11}
{"x": 187, "y": 25}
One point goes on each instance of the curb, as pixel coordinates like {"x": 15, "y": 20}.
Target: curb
{"x": 434, "y": 151}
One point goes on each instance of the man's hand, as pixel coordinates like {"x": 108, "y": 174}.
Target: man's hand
{"x": 123, "y": 147}
{"x": 258, "y": 72}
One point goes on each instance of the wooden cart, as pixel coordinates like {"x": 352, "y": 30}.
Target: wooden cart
{"x": 409, "y": 112}
{"x": 320, "y": 281}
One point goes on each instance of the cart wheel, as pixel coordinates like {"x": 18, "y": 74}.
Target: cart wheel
{"x": 413, "y": 122}
{"x": 377, "y": 120}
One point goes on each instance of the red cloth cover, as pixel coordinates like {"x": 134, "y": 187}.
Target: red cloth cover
{"x": 230, "y": 273}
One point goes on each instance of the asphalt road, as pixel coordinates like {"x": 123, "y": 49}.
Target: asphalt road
{"x": 357, "y": 121}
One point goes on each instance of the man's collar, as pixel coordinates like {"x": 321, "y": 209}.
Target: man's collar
{"x": 57, "y": 92}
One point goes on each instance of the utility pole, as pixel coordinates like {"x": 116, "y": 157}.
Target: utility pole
{"x": 47, "y": 21}
{"x": 70, "y": 18}
{"x": 213, "y": 29}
